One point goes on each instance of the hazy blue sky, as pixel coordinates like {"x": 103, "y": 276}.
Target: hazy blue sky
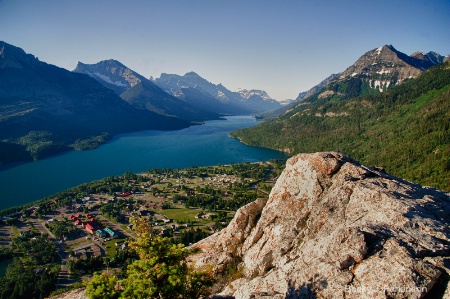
{"x": 283, "y": 46}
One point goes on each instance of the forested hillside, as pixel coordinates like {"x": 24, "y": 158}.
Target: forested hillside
{"x": 405, "y": 129}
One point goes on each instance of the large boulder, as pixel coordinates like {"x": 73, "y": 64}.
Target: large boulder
{"x": 333, "y": 228}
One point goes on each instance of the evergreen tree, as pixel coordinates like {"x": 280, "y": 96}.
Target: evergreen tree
{"x": 162, "y": 271}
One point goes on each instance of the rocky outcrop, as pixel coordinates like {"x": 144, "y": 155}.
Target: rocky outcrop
{"x": 74, "y": 294}
{"x": 333, "y": 228}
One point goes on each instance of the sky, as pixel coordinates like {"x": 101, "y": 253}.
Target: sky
{"x": 283, "y": 47}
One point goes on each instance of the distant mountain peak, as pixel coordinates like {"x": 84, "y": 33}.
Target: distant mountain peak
{"x": 246, "y": 94}
{"x": 237, "y": 102}
{"x": 111, "y": 73}
{"x": 192, "y": 74}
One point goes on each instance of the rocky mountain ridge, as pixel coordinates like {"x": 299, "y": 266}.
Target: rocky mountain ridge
{"x": 247, "y": 101}
{"x": 375, "y": 71}
{"x": 333, "y": 228}
{"x": 386, "y": 66}
{"x": 141, "y": 93}
{"x": 306, "y": 94}
{"x": 112, "y": 74}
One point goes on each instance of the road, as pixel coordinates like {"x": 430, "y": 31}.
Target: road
{"x": 64, "y": 279}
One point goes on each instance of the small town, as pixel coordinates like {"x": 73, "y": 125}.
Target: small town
{"x": 66, "y": 238}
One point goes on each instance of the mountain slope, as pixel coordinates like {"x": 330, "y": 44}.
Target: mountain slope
{"x": 240, "y": 102}
{"x": 146, "y": 95}
{"x": 375, "y": 71}
{"x": 405, "y": 129}
{"x": 198, "y": 97}
{"x": 141, "y": 92}
{"x": 316, "y": 88}
{"x": 45, "y": 109}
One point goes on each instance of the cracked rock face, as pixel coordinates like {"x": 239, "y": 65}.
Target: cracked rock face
{"x": 333, "y": 228}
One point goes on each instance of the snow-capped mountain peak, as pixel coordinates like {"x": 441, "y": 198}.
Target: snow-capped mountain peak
{"x": 246, "y": 94}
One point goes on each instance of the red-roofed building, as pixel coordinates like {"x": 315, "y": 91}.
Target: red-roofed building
{"x": 90, "y": 228}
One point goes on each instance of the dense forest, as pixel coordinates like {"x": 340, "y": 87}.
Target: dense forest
{"x": 405, "y": 129}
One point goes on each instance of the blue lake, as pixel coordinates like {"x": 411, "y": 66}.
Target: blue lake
{"x": 4, "y": 263}
{"x": 203, "y": 145}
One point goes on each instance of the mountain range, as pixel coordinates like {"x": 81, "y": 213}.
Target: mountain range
{"x": 387, "y": 109}
{"x": 141, "y": 93}
{"x": 45, "y": 109}
{"x": 191, "y": 85}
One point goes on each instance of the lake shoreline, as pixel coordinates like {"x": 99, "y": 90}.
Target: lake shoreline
{"x": 200, "y": 145}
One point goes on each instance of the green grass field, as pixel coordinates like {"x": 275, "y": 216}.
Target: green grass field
{"x": 181, "y": 214}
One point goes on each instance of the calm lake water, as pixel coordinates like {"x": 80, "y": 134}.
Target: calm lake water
{"x": 3, "y": 265}
{"x": 203, "y": 145}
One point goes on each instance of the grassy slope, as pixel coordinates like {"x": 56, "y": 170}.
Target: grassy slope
{"x": 406, "y": 130}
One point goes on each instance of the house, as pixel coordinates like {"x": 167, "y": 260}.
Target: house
{"x": 200, "y": 215}
{"x": 90, "y": 228}
{"x": 109, "y": 231}
{"x": 100, "y": 233}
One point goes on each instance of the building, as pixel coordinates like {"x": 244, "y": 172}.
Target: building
{"x": 100, "y": 233}
{"x": 90, "y": 228}
{"x": 109, "y": 231}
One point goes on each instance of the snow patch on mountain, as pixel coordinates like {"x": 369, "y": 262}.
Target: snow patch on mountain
{"x": 108, "y": 80}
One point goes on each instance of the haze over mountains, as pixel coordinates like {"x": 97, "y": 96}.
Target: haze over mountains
{"x": 140, "y": 92}
{"x": 192, "y": 87}
{"x": 190, "y": 96}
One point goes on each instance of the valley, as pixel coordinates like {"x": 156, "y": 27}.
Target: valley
{"x": 140, "y": 186}
{"x": 201, "y": 145}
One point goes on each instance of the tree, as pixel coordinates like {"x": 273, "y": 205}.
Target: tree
{"x": 103, "y": 286}
{"x": 162, "y": 271}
